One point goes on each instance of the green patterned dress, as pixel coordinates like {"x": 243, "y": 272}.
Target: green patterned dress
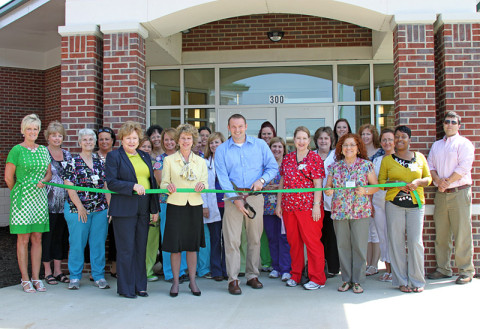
{"x": 28, "y": 203}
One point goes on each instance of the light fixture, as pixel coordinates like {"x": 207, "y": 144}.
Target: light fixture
{"x": 275, "y": 36}
{"x": 186, "y": 31}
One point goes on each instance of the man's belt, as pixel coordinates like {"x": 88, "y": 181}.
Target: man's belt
{"x": 243, "y": 196}
{"x": 456, "y": 189}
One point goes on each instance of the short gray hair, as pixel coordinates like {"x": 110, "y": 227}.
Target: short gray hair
{"x": 85, "y": 132}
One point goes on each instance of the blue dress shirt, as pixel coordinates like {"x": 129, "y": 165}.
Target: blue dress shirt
{"x": 243, "y": 165}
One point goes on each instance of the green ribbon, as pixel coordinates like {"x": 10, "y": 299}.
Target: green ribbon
{"x": 191, "y": 190}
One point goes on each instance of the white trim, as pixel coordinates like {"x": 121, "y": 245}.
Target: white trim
{"x": 74, "y": 30}
{"x": 453, "y": 18}
{"x": 21, "y": 11}
{"x": 412, "y": 19}
{"x": 125, "y": 27}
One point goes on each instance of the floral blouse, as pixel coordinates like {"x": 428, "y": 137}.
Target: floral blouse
{"x": 300, "y": 175}
{"x": 346, "y": 204}
{"x": 271, "y": 198}
{"x": 56, "y": 195}
{"x": 80, "y": 174}
{"x": 158, "y": 165}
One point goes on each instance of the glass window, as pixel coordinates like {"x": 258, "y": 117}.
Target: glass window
{"x": 199, "y": 87}
{"x": 356, "y": 115}
{"x": 385, "y": 116}
{"x": 165, "y": 87}
{"x": 353, "y": 83}
{"x": 276, "y": 85}
{"x": 200, "y": 117}
{"x": 292, "y": 123}
{"x": 383, "y": 82}
{"x": 165, "y": 118}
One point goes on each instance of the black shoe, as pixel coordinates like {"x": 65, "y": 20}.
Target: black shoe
{"x": 195, "y": 293}
{"x": 173, "y": 294}
{"x": 240, "y": 275}
{"x": 437, "y": 275}
{"x": 127, "y": 296}
{"x": 142, "y": 293}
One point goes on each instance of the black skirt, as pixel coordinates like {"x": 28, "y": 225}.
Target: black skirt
{"x": 183, "y": 229}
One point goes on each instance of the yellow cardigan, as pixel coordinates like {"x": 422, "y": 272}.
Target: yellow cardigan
{"x": 172, "y": 165}
{"x": 391, "y": 170}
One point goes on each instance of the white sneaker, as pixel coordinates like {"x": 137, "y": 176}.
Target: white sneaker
{"x": 286, "y": 276}
{"x": 74, "y": 284}
{"x": 291, "y": 283}
{"x": 102, "y": 284}
{"x": 274, "y": 274}
{"x": 310, "y": 285}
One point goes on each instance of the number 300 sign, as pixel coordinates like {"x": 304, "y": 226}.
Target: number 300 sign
{"x": 276, "y": 99}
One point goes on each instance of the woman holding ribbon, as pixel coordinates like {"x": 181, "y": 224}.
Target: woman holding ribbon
{"x": 351, "y": 207}
{"x": 184, "y": 224}
{"x": 129, "y": 172}
{"x": 302, "y": 213}
{"x": 86, "y": 212}
{"x": 28, "y": 166}
{"x": 405, "y": 212}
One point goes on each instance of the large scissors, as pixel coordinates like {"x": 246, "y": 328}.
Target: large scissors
{"x": 243, "y": 196}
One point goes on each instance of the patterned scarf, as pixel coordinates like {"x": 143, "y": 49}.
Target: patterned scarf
{"x": 187, "y": 172}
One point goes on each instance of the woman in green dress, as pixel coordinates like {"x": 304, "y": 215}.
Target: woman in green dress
{"x": 28, "y": 166}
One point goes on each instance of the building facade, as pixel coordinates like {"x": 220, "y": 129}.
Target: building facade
{"x": 385, "y": 62}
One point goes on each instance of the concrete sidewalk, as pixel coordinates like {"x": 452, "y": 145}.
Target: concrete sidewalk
{"x": 443, "y": 304}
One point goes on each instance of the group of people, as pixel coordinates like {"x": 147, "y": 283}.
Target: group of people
{"x": 346, "y": 228}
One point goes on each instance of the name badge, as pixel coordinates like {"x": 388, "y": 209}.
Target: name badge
{"x": 95, "y": 179}
{"x": 350, "y": 183}
{"x": 413, "y": 166}
{"x": 302, "y": 166}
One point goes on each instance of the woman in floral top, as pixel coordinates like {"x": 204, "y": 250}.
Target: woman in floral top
{"x": 86, "y": 212}
{"x": 303, "y": 212}
{"x": 278, "y": 244}
{"x": 351, "y": 208}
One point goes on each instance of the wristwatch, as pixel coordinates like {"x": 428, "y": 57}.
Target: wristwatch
{"x": 262, "y": 180}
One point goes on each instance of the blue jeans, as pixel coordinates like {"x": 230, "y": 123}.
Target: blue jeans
{"x": 95, "y": 232}
{"x": 167, "y": 267}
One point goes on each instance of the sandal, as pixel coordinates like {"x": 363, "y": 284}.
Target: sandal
{"x": 371, "y": 270}
{"x": 405, "y": 289}
{"x": 28, "y": 287}
{"x": 62, "y": 278}
{"x": 49, "y": 279}
{"x": 357, "y": 288}
{"x": 38, "y": 285}
{"x": 385, "y": 277}
{"x": 418, "y": 289}
{"x": 344, "y": 287}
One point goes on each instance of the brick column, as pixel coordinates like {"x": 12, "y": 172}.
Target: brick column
{"x": 124, "y": 77}
{"x": 457, "y": 54}
{"x": 81, "y": 84}
{"x": 414, "y": 72}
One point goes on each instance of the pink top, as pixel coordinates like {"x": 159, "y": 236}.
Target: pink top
{"x": 453, "y": 154}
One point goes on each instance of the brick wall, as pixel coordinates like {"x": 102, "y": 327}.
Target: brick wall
{"x": 250, "y": 32}
{"x": 124, "y": 79}
{"x": 81, "y": 85}
{"x": 52, "y": 95}
{"x": 22, "y": 93}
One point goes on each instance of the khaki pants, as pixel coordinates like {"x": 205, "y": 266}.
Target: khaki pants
{"x": 232, "y": 231}
{"x": 453, "y": 214}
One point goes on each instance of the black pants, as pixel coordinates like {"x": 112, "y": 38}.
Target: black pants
{"x": 55, "y": 242}
{"x": 329, "y": 241}
{"x": 131, "y": 235}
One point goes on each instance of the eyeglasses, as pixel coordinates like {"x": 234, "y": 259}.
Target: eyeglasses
{"x": 387, "y": 140}
{"x": 105, "y": 130}
{"x": 349, "y": 145}
{"x": 447, "y": 122}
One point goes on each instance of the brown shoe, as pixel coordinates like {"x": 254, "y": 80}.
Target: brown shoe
{"x": 437, "y": 275}
{"x": 254, "y": 283}
{"x": 234, "y": 288}
{"x": 462, "y": 279}
{"x": 218, "y": 278}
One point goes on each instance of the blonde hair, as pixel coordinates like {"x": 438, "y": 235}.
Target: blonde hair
{"x": 213, "y": 136}
{"x": 54, "y": 127}
{"x": 31, "y": 119}
{"x": 128, "y": 128}
{"x": 172, "y": 132}
{"x": 189, "y": 130}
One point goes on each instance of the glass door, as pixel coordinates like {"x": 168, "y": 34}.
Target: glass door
{"x": 255, "y": 117}
{"x": 312, "y": 117}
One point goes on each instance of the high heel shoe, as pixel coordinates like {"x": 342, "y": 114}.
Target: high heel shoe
{"x": 38, "y": 285}
{"x": 28, "y": 287}
{"x": 195, "y": 293}
{"x": 173, "y": 294}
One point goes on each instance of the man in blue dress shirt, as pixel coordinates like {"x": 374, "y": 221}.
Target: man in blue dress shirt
{"x": 248, "y": 163}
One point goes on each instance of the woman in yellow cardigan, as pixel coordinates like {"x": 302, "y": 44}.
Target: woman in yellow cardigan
{"x": 403, "y": 212}
{"x": 184, "y": 222}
